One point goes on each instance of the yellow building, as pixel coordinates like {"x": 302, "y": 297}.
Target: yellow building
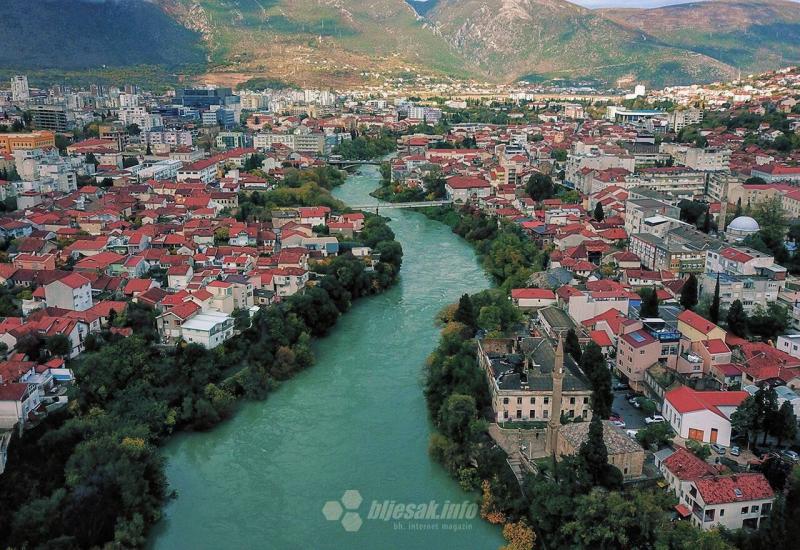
{"x": 34, "y": 140}
{"x": 698, "y": 329}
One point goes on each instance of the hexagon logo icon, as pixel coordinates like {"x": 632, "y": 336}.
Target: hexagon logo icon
{"x": 352, "y": 499}
{"x": 351, "y": 522}
{"x": 345, "y": 510}
{"x": 332, "y": 510}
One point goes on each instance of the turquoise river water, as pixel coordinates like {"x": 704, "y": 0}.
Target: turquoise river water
{"x": 355, "y": 421}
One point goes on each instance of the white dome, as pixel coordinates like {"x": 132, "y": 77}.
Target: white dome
{"x": 744, "y": 224}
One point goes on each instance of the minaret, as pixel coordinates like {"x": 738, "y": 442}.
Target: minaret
{"x": 554, "y": 422}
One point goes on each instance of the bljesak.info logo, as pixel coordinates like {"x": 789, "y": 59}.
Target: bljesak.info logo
{"x": 405, "y": 516}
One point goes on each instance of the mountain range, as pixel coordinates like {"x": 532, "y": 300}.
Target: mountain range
{"x": 342, "y": 42}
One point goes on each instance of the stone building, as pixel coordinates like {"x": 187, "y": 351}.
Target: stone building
{"x": 623, "y": 452}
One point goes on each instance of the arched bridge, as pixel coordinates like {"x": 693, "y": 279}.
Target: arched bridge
{"x": 344, "y": 162}
{"x": 387, "y": 205}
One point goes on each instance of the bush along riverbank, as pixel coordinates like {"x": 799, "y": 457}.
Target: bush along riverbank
{"x": 578, "y": 502}
{"x": 506, "y": 253}
{"x": 429, "y": 188}
{"x": 93, "y": 475}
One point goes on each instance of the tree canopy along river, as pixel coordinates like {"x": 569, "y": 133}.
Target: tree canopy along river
{"x": 356, "y": 421}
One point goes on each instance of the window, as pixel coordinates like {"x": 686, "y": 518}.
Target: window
{"x": 545, "y": 414}
{"x": 532, "y": 414}
{"x": 505, "y": 401}
{"x": 721, "y": 512}
{"x": 744, "y": 509}
{"x": 754, "y": 509}
{"x": 519, "y": 401}
{"x": 571, "y": 413}
{"x": 546, "y": 400}
{"x": 533, "y": 400}
{"x": 519, "y": 413}
{"x": 585, "y": 400}
{"x": 505, "y": 414}
{"x": 571, "y": 400}
{"x": 585, "y": 413}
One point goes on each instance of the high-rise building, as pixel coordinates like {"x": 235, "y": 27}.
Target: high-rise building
{"x": 49, "y": 117}
{"x": 19, "y": 88}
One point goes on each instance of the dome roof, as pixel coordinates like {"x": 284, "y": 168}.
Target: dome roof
{"x": 744, "y": 223}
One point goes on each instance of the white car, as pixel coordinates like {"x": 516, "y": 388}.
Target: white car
{"x": 654, "y": 419}
{"x": 618, "y": 423}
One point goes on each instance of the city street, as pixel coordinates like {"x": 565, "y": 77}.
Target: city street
{"x": 633, "y": 417}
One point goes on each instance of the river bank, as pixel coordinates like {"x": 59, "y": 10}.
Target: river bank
{"x": 357, "y": 420}
{"x": 133, "y": 394}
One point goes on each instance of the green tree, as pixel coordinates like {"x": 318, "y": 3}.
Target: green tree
{"x": 457, "y": 416}
{"x": 599, "y": 215}
{"x": 713, "y": 311}
{"x": 594, "y": 365}
{"x": 572, "y": 346}
{"x": 736, "y": 319}
{"x": 58, "y": 344}
{"x": 594, "y": 454}
{"x": 466, "y": 312}
{"x": 612, "y": 519}
{"x": 689, "y": 292}
{"x": 650, "y": 301}
{"x": 745, "y": 418}
{"x": 784, "y": 424}
{"x": 769, "y": 323}
{"x": 657, "y": 434}
{"x": 540, "y": 187}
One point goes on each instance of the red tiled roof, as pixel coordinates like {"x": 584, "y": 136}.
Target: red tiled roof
{"x": 686, "y": 465}
{"x": 685, "y": 400}
{"x": 601, "y": 338}
{"x": 716, "y": 345}
{"x": 735, "y": 488}
{"x": 467, "y": 182}
{"x": 533, "y": 294}
{"x": 696, "y": 321}
{"x": 74, "y": 280}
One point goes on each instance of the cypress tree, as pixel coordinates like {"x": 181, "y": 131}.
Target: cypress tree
{"x": 737, "y": 319}
{"x": 713, "y": 311}
{"x": 689, "y": 292}
{"x": 466, "y": 311}
{"x": 599, "y": 215}
{"x": 572, "y": 346}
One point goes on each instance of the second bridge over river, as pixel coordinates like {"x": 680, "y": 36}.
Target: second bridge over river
{"x": 387, "y": 205}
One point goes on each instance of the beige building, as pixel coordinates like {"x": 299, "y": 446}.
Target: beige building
{"x": 524, "y": 376}
{"x": 623, "y": 452}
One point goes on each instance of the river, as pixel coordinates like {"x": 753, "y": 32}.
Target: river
{"x": 355, "y": 421}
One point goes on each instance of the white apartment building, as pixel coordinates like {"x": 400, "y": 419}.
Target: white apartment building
{"x": 19, "y": 88}
{"x": 209, "y": 329}
{"x": 139, "y": 116}
{"x": 709, "y": 159}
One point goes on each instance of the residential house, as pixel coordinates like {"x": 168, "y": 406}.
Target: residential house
{"x": 702, "y": 415}
{"x": 73, "y": 292}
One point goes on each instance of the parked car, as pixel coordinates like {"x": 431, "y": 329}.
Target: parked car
{"x": 631, "y": 395}
{"x": 719, "y": 449}
{"x": 735, "y": 451}
{"x": 653, "y": 419}
{"x": 634, "y": 401}
{"x": 618, "y": 423}
{"x": 790, "y": 455}
{"x": 615, "y": 417}
{"x": 621, "y": 386}
{"x": 632, "y": 433}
